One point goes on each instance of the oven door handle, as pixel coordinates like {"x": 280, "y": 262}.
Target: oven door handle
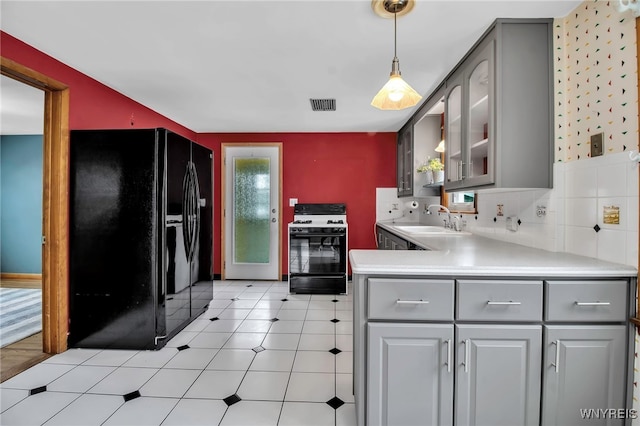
{"x": 316, "y": 234}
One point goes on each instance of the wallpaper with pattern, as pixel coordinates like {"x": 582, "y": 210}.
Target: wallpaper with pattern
{"x": 596, "y": 80}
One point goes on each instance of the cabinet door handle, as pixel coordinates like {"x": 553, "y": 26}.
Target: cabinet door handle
{"x": 466, "y": 344}
{"x": 593, "y": 303}
{"x": 556, "y": 364}
{"x": 448, "y": 342}
{"x": 412, "y": 302}
{"x": 490, "y": 302}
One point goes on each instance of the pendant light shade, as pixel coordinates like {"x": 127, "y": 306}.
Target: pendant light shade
{"x": 396, "y": 94}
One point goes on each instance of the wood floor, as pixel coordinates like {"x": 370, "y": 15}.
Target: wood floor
{"x": 19, "y": 356}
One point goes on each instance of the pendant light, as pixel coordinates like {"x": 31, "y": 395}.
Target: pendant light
{"x": 396, "y": 94}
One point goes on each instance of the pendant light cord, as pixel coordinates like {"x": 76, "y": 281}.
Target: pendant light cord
{"x": 395, "y": 35}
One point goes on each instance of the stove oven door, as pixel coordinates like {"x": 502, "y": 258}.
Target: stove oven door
{"x": 318, "y": 260}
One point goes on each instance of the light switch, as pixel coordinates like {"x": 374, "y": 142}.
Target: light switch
{"x": 293, "y": 202}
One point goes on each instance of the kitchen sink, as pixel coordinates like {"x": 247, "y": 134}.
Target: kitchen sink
{"x": 429, "y": 230}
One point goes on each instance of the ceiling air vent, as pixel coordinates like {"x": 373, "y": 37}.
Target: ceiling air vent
{"x": 323, "y": 104}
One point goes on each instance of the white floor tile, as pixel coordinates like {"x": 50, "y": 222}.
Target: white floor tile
{"x": 295, "y": 304}
{"x": 244, "y": 341}
{"x": 281, "y": 341}
{"x": 215, "y": 384}
{"x": 123, "y": 381}
{"x": 264, "y": 386}
{"x": 344, "y": 306}
{"x": 344, "y": 342}
{"x": 269, "y": 304}
{"x": 344, "y": 327}
{"x": 307, "y": 414}
{"x": 344, "y": 387}
{"x": 344, "y": 315}
{"x": 324, "y": 297}
{"x": 250, "y": 295}
{"x": 320, "y": 315}
{"x": 72, "y": 356}
{"x": 298, "y": 297}
{"x": 254, "y": 326}
{"x": 243, "y": 304}
{"x": 222, "y": 326}
{"x": 206, "y": 340}
{"x": 234, "y": 314}
{"x": 37, "y": 409}
{"x": 232, "y": 359}
{"x": 311, "y": 387}
{"x": 38, "y": 375}
{"x": 219, "y": 303}
{"x": 151, "y": 359}
{"x": 344, "y": 362}
{"x": 262, "y": 314}
{"x": 287, "y": 327}
{"x": 196, "y": 412}
{"x": 254, "y": 413}
{"x": 315, "y": 362}
{"x": 111, "y": 358}
{"x": 181, "y": 339}
{"x": 171, "y": 383}
{"x": 10, "y": 397}
{"x": 192, "y": 358}
{"x": 291, "y": 314}
{"x": 272, "y": 360}
{"x": 318, "y": 327}
{"x": 142, "y": 411}
{"x": 197, "y": 325}
{"x": 322, "y": 304}
{"x": 80, "y": 379}
{"x": 87, "y": 410}
{"x": 317, "y": 342}
{"x": 346, "y": 415}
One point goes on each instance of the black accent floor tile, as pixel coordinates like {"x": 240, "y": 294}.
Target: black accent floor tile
{"x": 183, "y": 347}
{"x": 258, "y": 349}
{"x": 230, "y": 400}
{"x": 335, "y": 351}
{"x": 169, "y": 298}
{"x": 284, "y": 300}
{"x": 335, "y": 402}
{"x": 131, "y": 395}
{"x": 38, "y": 390}
{"x": 234, "y": 299}
{"x": 274, "y": 319}
{"x": 335, "y": 300}
{"x": 596, "y": 228}
{"x": 250, "y": 285}
{"x": 214, "y": 319}
{"x": 335, "y": 320}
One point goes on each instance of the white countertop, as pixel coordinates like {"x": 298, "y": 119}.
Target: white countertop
{"x": 472, "y": 255}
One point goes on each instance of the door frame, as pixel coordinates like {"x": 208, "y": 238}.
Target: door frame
{"x": 55, "y": 205}
{"x": 223, "y": 196}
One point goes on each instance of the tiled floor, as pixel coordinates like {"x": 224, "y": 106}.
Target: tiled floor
{"x": 258, "y": 356}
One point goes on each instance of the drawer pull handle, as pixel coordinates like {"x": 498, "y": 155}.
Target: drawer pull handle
{"x": 593, "y": 303}
{"x": 412, "y": 302}
{"x": 489, "y": 302}
{"x": 448, "y": 342}
{"x": 556, "y": 364}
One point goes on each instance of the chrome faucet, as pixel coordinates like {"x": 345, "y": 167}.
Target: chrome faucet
{"x": 447, "y": 222}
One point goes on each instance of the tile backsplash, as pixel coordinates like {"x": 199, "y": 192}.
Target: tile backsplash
{"x": 573, "y": 219}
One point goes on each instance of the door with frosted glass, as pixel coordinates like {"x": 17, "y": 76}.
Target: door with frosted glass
{"x": 252, "y": 212}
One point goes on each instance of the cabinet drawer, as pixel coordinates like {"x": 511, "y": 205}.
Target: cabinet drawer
{"x": 410, "y": 299}
{"x": 586, "y": 300}
{"x": 489, "y": 300}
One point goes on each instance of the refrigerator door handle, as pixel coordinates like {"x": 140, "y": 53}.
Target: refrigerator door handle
{"x": 186, "y": 234}
{"x": 195, "y": 202}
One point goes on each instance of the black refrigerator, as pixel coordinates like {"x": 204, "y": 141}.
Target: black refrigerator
{"x": 140, "y": 237}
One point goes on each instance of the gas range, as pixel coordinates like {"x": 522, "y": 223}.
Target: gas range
{"x": 319, "y": 216}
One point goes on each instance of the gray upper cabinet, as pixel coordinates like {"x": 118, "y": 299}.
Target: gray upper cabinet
{"x": 404, "y": 167}
{"x": 499, "y": 109}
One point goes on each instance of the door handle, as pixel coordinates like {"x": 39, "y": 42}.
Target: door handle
{"x": 412, "y": 302}
{"x": 489, "y": 302}
{"x": 556, "y": 364}
{"x": 593, "y": 303}
{"x": 448, "y": 342}
{"x": 466, "y": 344}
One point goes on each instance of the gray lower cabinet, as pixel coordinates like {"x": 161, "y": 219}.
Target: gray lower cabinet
{"x": 583, "y": 370}
{"x": 498, "y": 374}
{"x": 410, "y": 374}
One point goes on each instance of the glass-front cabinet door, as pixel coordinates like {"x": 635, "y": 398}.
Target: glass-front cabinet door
{"x": 478, "y": 161}
{"x": 453, "y": 133}
{"x": 470, "y": 122}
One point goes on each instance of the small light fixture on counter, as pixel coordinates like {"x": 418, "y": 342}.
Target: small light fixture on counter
{"x": 396, "y": 94}
{"x": 440, "y": 147}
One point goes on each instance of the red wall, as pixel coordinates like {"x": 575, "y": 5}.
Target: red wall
{"x": 318, "y": 167}
{"x": 321, "y": 168}
{"x": 92, "y": 105}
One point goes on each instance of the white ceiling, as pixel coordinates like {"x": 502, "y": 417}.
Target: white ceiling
{"x": 251, "y": 66}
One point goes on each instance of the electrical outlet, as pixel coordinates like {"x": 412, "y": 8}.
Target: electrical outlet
{"x": 293, "y": 202}
{"x": 541, "y": 211}
{"x": 597, "y": 144}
